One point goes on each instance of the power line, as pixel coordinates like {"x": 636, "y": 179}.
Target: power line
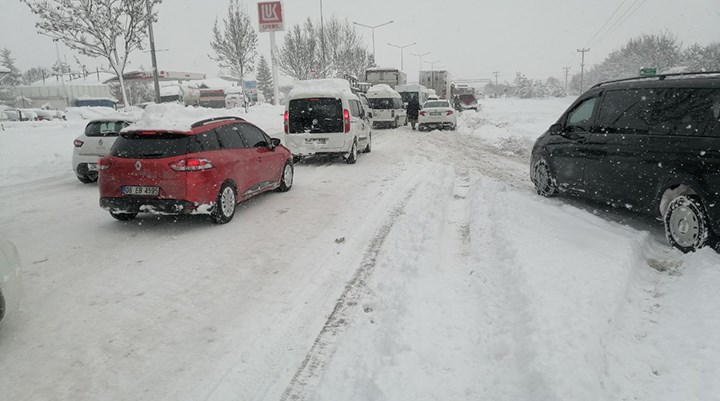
{"x": 607, "y": 21}
{"x": 634, "y": 7}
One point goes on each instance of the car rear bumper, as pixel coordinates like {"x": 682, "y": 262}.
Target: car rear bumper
{"x": 155, "y": 206}
{"x": 81, "y": 162}
{"x": 310, "y": 144}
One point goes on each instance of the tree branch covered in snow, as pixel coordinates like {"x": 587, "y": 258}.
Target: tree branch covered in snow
{"x": 111, "y": 29}
{"x": 301, "y": 56}
{"x": 235, "y": 44}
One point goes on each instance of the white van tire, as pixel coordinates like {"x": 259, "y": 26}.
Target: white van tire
{"x": 352, "y": 156}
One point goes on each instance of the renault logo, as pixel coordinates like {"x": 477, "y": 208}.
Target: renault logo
{"x": 138, "y": 165}
{"x": 100, "y": 142}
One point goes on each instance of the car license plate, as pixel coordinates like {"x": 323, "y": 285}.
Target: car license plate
{"x": 140, "y": 191}
{"x": 320, "y": 141}
{"x": 92, "y": 167}
{"x": 435, "y": 113}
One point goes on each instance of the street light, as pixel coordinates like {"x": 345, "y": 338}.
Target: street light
{"x": 373, "y": 33}
{"x": 402, "y": 48}
{"x": 421, "y": 57}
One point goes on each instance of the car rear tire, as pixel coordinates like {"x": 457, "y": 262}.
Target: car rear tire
{"x": 686, "y": 225}
{"x": 368, "y": 148}
{"x": 225, "y": 204}
{"x": 352, "y": 156}
{"x": 2, "y": 306}
{"x": 286, "y": 180}
{"x": 544, "y": 179}
{"x": 123, "y": 216}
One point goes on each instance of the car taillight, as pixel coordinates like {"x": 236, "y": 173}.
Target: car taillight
{"x": 286, "y": 123}
{"x": 103, "y": 164}
{"x": 449, "y": 112}
{"x": 78, "y": 143}
{"x": 422, "y": 113}
{"x": 346, "y": 119}
{"x": 191, "y": 165}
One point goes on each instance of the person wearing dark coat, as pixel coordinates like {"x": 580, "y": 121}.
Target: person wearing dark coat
{"x": 413, "y": 109}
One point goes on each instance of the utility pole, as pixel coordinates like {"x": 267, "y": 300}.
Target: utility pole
{"x": 582, "y": 68}
{"x": 322, "y": 39}
{"x": 567, "y": 72}
{"x": 373, "y": 34}
{"x": 402, "y": 51}
{"x": 151, "y": 36}
{"x": 496, "y": 73}
{"x": 62, "y": 73}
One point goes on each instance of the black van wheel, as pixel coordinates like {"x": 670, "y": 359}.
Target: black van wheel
{"x": 544, "y": 180}
{"x": 368, "y": 148}
{"x": 352, "y": 156}
{"x": 686, "y": 224}
{"x": 225, "y": 204}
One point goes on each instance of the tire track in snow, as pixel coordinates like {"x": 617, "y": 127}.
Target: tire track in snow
{"x": 321, "y": 351}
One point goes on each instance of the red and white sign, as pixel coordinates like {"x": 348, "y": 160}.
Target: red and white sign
{"x": 270, "y": 15}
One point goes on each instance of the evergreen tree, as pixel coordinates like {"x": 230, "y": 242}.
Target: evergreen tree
{"x": 265, "y": 80}
{"x": 7, "y": 61}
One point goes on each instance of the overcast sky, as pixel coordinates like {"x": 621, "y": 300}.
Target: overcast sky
{"x": 470, "y": 38}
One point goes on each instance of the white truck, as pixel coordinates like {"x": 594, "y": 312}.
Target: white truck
{"x": 388, "y": 76}
{"x": 439, "y": 80}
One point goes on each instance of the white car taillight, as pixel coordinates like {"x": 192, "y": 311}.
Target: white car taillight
{"x": 78, "y": 143}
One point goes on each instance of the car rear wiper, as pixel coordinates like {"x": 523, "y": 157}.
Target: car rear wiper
{"x": 156, "y": 154}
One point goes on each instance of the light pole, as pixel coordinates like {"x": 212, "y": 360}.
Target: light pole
{"x": 62, "y": 73}
{"x": 151, "y": 36}
{"x": 402, "y": 51}
{"x": 373, "y": 34}
{"x": 421, "y": 57}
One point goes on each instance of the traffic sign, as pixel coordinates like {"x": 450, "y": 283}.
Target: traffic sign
{"x": 270, "y": 16}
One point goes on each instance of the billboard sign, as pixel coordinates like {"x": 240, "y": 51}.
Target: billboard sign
{"x": 270, "y": 16}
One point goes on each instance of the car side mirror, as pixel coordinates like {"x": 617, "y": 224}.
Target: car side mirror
{"x": 556, "y": 129}
{"x": 274, "y": 143}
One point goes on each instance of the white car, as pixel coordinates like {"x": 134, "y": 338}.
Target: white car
{"x": 324, "y": 117}
{"x": 10, "y": 284}
{"x": 100, "y": 134}
{"x": 437, "y": 114}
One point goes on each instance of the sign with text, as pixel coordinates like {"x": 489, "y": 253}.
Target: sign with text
{"x": 270, "y": 15}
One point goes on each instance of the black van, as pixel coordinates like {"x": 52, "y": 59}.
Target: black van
{"x": 649, "y": 144}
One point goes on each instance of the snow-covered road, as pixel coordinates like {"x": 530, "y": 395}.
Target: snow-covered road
{"x": 428, "y": 270}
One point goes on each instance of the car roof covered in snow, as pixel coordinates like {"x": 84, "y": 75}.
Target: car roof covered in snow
{"x": 382, "y": 90}
{"x": 173, "y": 117}
{"x": 331, "y": 87}
{"x": 113, "y": 118}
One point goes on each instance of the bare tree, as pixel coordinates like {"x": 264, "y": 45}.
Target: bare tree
{"x": 235, "y": 45}
{"x": 300, "y": 55}
{"x": 111, "y": 29}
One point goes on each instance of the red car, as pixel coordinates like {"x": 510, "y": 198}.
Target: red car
{"x": 207, "y": 170}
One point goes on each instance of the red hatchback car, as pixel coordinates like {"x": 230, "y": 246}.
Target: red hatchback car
{"x": 207, "y": 170}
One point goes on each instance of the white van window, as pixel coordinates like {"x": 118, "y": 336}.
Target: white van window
{"x": 315, "y": 115}
{"x": 382, "y": 103}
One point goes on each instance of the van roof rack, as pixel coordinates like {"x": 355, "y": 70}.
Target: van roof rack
{"x": 214, "y": 120}
{"x": 659, "y": 77}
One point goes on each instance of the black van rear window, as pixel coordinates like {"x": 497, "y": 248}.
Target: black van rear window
{"x": 150, "y": 146}
{"x": 105, "y": 129}
{"x": 315, "y": 115}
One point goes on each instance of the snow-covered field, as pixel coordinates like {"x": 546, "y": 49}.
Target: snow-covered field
{"x": 429, "y": 270}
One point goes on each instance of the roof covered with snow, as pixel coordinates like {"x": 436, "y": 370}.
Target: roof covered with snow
{"x": 382, "y": 90}
{"x": 173, "y": 117}
{"x": 4, "y": 69}
{"x": 332, "y": 87}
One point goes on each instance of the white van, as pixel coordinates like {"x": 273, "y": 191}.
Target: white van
{"x": 323, "y": 116}
{"x": 386, "y": 107}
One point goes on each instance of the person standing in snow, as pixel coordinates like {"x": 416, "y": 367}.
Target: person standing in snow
{"x": 413, "y": 108}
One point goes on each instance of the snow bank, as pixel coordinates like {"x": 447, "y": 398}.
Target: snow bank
{"x": 512, "y": 125}
{"x": 332, "y": 87}
{"x": 175, "y": 117}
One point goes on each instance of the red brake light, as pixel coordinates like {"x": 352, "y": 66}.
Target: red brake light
{"x": 286, "y": 123}
{"x": 422, "y": 113}
{"x": 346, "y": 119}
{"x": 191, "y": 165}
{"x": 78, "y": 143}
{"x": 449, "y": 112}
{"x": 103, "y": 164}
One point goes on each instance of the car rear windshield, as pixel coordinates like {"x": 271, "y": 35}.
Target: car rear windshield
{"x": 316, "y": 115}
{"x": 383, "y": 104}
{"x": 436, "y": 104}
{"x": 150, "y": 146}
{"x": 467, "y": 98}
{"x": 105, "y": 128}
